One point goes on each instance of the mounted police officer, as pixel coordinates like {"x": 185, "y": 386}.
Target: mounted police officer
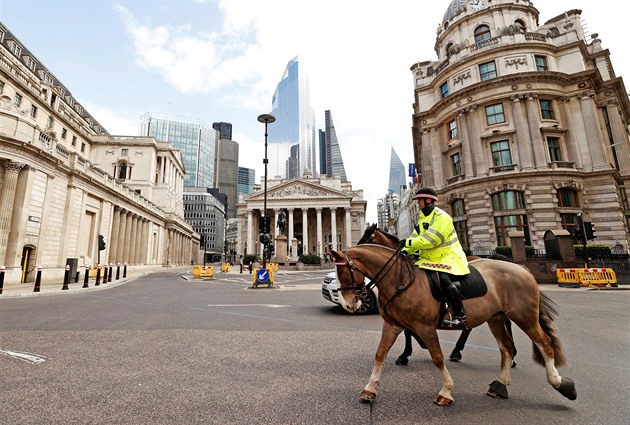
{"x": 435, "y": 241}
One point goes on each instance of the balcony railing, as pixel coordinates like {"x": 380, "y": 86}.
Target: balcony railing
{"x": 503, "y": 168}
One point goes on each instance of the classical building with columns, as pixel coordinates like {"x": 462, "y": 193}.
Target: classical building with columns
{"x": 321, "y": 213}
{"x": 521, "y": 126}
{"x": 64, "y": 180}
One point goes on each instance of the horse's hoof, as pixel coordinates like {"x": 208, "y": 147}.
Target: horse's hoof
{"x": 455, "y": 356}
{"x": 567, "y": 389}
{"x": 367, "y": 396}
{"x": 440, "y": 400}
{"x": 513, "y": 364}
{"x": 497, "y": 390}
{"x": 402, "y": 361}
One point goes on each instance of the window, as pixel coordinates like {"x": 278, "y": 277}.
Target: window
{"x": 17, "y": 100}
{"x": 510, "y": 223}
{"x": 452, "y": 129}
{"x": 494, "y": 114}
{"x": 1, "y": 86}
{"x": 553, "y": 144}
{"x": 50, "y": 122}
{"x": 482, "y": 32}
{"x": 541, "y": 63}
{"x": 16, "y": 49}
{"x": 82, "y": 146}
{"x": 47, "y": 78}
{"x": 31, "y": 64}
{"x": 457, "y": 208}
{"x": 456, "y": 163}
{"x": 74, "y": 140}
{"x": 1, "y": 36}
{"x": 122, "y": 171}
{"x": 124, "y": 152}
{"x": 64, "y": 133}
{"x": 569, "y": 222}
{"x": 448, "y": 49}
{"x": 33, "y": 111}
{"x": 444, "y": 89}
{"x": 508, "y": 200}
{"x": 568, "y": 198}
{"x": 546, "y": 110}
{"x": 462, "y": 233}
{"x": 501, "y": 153}
{"x": 488, "y": 70}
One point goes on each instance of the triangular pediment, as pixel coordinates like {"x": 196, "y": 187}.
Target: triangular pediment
{"x": 299, "y": 189}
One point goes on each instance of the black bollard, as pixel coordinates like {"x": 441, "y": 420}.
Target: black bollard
{"x": 86, "y": 280}
{"x": 38, "y": 279}
{"x": 98, "y": 275}
{"x": 66, "y": 278}
{"x": 77, "y": 276}
{"x": 109, "y": 276}
{"x": 125, "y": 271}
{"x": 118, "y": 271}
{"x": 105, "y": 274}
{"x": 2, "y": 269}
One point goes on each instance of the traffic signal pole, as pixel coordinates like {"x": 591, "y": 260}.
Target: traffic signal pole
{"x": 583, "y": 238}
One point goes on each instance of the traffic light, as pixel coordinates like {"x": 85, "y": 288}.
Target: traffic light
{"x": 265, "y": 239}
{"x": 101, "y": 243}
{"x": 202, "y": 241}
{"x": 265, "y": 225}
{"x": 576, "y": 234}
{"x": 589, "y": 230}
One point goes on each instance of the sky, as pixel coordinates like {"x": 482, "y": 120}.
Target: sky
{"x": 221, "y": 61}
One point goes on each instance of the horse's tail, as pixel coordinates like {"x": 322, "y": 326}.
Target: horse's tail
{"x": 547, "y": 313}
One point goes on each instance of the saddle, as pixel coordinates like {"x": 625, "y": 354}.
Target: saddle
{"x": 470, "y": 286}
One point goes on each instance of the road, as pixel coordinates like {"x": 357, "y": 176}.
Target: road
{"x": 162, "y": 349}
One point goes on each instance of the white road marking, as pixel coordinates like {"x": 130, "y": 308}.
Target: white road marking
{"x": 27, "y": 357}
{"x": 248, "y": 305}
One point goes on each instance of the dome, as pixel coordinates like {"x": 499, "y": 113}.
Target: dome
{"x": 458, "y": 6}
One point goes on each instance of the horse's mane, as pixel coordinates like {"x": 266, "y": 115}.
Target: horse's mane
{"x": 373, "y": 228}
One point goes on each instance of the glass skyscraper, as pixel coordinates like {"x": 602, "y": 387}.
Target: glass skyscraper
{"x": 292, "y": 138}
{"x": 194, "y": 138}
{"x": 246, "y": 180}
{"x": 332, "y": 162}
{"x": 397, "y": 177}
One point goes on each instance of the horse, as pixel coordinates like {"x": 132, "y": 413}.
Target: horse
{"x": 377, "y": 236}
{"x": 406, "y": 302}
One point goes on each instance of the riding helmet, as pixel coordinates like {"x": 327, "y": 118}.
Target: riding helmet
{"x": 426, "y": 192}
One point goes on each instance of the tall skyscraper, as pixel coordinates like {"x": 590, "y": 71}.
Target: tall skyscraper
{"x": 224, "y": 129}
{"x": 397, "y": 177}
{"x": 331, "y": 154}
{"x": 226, "y": 172}
{"x": 246, "y": 180}
{"x": 294, "y": 126}
{"x": 194, "y": 138}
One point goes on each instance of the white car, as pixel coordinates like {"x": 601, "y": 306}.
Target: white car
{"x": 369, "y": 303}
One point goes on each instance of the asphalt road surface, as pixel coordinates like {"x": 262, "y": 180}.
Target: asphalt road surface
{"x": 163, "y": 349}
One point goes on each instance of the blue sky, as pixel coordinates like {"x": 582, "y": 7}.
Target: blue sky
{"x": 221, "y": 60}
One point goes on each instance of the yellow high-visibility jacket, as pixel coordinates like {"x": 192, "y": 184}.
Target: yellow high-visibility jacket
{"x": 435, "y": 241}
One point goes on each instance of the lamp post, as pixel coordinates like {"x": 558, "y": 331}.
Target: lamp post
{"x": 265, "y": 237}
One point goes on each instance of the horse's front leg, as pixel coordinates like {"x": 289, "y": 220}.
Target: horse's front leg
{"x": 388, "y": 337}
{"x": 430, "y": 338}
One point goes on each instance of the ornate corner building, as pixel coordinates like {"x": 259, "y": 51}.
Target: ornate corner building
{"x": 521, "y": 126}
{"x": 65, "y": 181}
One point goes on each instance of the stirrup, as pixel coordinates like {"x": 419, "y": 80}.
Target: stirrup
{"x": 457, "y": 323}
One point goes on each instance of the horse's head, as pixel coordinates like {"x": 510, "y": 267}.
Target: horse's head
{"x": 350, "y": 280}
{"x": 377, "y": 236}
{"x": 368, "y": 235}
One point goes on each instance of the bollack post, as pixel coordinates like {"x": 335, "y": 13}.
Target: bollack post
{"x": 86, "y": 280}
{"x": 105, "y": 274}
{"x": 66, "y": 278}
{"x": 98, "y": 276}
{"x": 118, "y": 271}
{"x": 38, "y": 279}
{"x": 125, "y": 271}
{"x": 2, "y": 270}
{"x": 77, "y": 276}
{"x": 109, "y": 276}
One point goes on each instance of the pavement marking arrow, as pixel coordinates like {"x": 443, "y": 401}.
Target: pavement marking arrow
{"x": 27, "y": 357}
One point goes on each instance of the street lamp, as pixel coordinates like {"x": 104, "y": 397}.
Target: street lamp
{"x": 265, "y": 236}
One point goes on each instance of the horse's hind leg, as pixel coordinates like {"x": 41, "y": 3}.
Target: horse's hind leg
{"x": 456, "y": 354}
{"x": 508, "y": 326}
{"x": 499, "y": 330}
{"x": 388, "y": 337}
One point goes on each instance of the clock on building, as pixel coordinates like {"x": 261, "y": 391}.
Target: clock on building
{"x": 475, "y": 5}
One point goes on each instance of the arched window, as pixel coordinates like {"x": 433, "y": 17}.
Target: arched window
{"x": 520, "y": 24}
{"x": 482, "y": 32}
{"x": 504, "y": 224}
{"x": 448, "y": 50}
{"x": 122, "y": 170}
{"x": 458, "y": 210}
{"x": 568, "y": 198}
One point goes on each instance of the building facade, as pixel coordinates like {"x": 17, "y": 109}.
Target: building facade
{"x": 521, "y": 126}
{"x": 193, "y": 137}
{"x": 330, "y": 154}
{"x": 64, "y": 181}
{"x": 397, "y": 176}
{"x": 246, "y": 181}
{"x": 293, "y": 147}
{"x": 204, "y": 210}
{"x": 321, "y": 213}
{"x": 226, "y": 173}
{"x": 224, "y": 129}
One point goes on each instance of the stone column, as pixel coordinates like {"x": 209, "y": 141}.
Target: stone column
{"x": 125, "y": 257}
{"x": 466, "y": 148}
{"x": 250, "y": 230}
{"x": 319, "y": 246}
{"x": 479, "y": 152}
{"x": 7, "y": 198}
{"x": 144, "y": 250}
{"x": 276, "y": 214}
{"x": 426, "y": 167}
{"x": 291, "y": 234}
{"x": 593, "y": 133}
{"x": 348, "y": 224}
{"x": 121, "y": 236}
{"x": 523, "y": 142}
{"x": 132, "y": 239}
{"x": 333, "y": 230}
{"x": 574, "y": 138}
{"x": 138, "y": 242}
{"x": 539, "y": 146}
{"x": 435, "y": 153}
{"x": 305, "y": 250}
{"x": 113, "y": 240}
{"x": 619, "y": 136}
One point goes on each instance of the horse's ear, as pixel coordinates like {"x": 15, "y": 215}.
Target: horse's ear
{"x": 335, "y": 255}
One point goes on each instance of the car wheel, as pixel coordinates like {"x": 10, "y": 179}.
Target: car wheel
{"x": 368, "y": 303}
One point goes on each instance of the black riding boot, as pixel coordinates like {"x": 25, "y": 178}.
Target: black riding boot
{"x": 455, "y": 300}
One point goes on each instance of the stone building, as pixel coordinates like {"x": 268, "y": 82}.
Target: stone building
{"x": 321, "y": 213}
{"x": 65, "y": 180}
{"x": 521, "y": 126}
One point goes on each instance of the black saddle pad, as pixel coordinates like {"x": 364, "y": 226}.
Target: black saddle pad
{"x": 471, "y": 285}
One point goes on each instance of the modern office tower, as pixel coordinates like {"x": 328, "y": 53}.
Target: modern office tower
{"x": 246, "y": 180}
{"x": 331, "y": 155}
{"x": 226, "y": 173}
{"x": 397, "y": 175}
{"x": 195, "y": 138}
{"x": 387, "y": 210}
{"x": 294, "y": 125}
{"x": 204, "y": 210}
{"x": 323, "y": 170}
{"x": 528, "y": 130}
{"x": 224, "y": 129}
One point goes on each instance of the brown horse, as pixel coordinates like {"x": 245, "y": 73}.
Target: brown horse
{"x": 377, "y": 236}
{"x": 406, "y": 302}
